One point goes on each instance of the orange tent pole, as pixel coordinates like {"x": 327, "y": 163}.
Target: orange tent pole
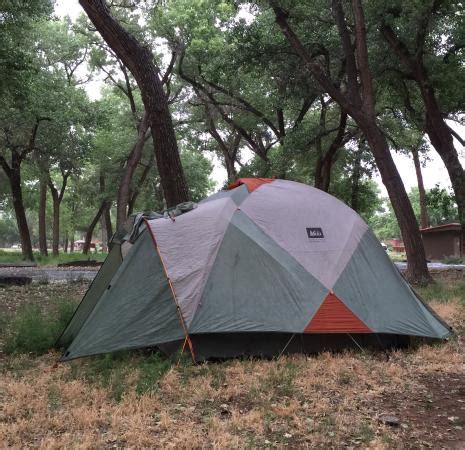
{"x": 178, "y": 309}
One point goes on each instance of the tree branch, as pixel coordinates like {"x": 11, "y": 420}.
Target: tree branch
{"x": 362, "y": 57}
{"x": 311, "y": 66}
{"x": 350, "y": 64}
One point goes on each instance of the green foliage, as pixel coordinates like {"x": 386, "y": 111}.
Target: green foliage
{"x": 32, "y": 331}
{"x": 441, "y": 206}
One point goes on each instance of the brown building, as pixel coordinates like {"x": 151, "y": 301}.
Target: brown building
{"x": 443, "y": 241}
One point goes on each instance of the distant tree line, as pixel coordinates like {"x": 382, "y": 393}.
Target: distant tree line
{"x": 319, "y": 92}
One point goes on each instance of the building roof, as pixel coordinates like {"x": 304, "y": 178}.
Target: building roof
{"x": 439, "y": 228}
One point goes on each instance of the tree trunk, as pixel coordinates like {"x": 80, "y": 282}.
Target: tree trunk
{"x": 139, "y": 60}
{"x": 132, "y": 161}
{"x": 57, "y": 197}
{"x": 103, "y": 232}
{"x": 439, "y": 133}
{"x": 442, "y": 140}
{"x": 230, "y": 167}
{"x": 71, "y": 246}
{"x": 56, "y": 222}
{"x": 323, "y": 171}
{"x": 107, "y": 222}
{"x": 65, "y": 243}
{"x": 90, "y": 229}
{"x": 355, "y": 182}
{"x": 42, "y": 217}
{"x": 424, "y": 221}
{"x": 417, "y": 269}
{"x": 18, "y": 204}
{"x": 359, "y": 102}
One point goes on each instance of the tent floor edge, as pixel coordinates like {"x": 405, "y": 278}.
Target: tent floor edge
{"x": 222, "y": 346}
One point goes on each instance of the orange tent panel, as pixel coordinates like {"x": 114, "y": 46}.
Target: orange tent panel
{"x": 251, "y": 183}
{"x": 334, "y": 317}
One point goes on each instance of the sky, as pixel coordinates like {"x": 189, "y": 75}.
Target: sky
{"x": 434, "y": 172}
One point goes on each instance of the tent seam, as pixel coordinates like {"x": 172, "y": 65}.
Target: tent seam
{"x": 173, "y": 292}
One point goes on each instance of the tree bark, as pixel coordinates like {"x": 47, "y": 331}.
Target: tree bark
{"x": 439, "y": 133}
{"x": 107, "y": 219}
{"x": 103, "y": 232}
{"x": 55, "y": 222}
{"x": 42, "y": 217}
{"x": 355, "y": 181}
{"x": 132, "y": 161}
{"x": 90, "y": 229}
{"x": 359, "y": 103}
{"x": 137, "y": 189}
{"x": 424, "y": 220}
{"x": 57, "y": 197}
{"x": 20, "y": 213}
{"x": 13, "y": 173}
{"x": 139, "y": 60}
{"x": 326, "y": 161}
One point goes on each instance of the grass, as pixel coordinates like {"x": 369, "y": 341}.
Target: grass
{"x": 443, "y": 293}
{"x": 142, "y": 399}
{"x": 14, "y": 256}
{"x": 34, "y": 331}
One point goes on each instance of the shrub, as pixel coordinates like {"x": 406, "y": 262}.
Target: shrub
{"x": 452, "y": 260}
{"x": 31, "y": 331}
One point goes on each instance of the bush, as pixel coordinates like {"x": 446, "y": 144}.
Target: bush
{"x": 452, "y": 260}
{"x": 31, "y": 331}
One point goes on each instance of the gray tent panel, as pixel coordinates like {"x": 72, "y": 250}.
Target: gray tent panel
{"x": 138, "y": 309}
{"x": 237, "y": 195}
{"x": 374, "y": 290}
{"x": 255, "y": 285}
{"x": 92, "y": 296}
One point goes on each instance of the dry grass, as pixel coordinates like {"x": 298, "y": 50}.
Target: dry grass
{"x": 330, "y": 400}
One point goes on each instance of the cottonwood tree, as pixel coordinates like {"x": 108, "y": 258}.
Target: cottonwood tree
{"x": 139, "y": 60}
{"x": 19, "y": 123}
{"x": 359, "y": 101}
{"x": 427, "y": 39}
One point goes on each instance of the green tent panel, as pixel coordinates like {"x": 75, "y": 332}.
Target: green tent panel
{"x": 92, "y": 296}
{"x": 136, "y": 310}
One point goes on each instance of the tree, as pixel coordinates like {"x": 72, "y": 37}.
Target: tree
{"x": 427, "y": 39}
{"x": 424, "y": 220}
{"x": 359, "y": 103}
{"x": 139, "y": 60}
{"x": 19, "y": 64}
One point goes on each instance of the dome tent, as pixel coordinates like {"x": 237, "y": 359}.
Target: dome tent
{"x": 264, "y": 267}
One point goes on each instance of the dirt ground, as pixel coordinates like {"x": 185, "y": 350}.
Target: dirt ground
{"x": 330, "y": 400}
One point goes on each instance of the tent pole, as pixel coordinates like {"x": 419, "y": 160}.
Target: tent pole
{"x": 178, "y": 309}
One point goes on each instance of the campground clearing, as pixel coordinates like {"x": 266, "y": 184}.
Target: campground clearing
{"x": 141, "y": 399}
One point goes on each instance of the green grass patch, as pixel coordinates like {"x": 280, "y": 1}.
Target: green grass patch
{"x": 151, "y": 370}
{"x": 34, "y": 331}
{"x": 442, "y": 292}
{"x": 123, "y": 371}
{"x": 280, "y": 379}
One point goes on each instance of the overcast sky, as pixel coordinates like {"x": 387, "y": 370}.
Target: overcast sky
{"x": 433, "y": 173}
